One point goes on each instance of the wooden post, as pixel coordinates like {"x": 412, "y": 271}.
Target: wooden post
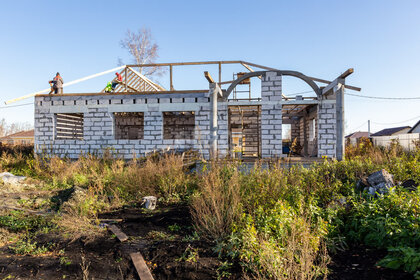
{"x": 125, "y": 78}
{"x": 170, "y": 78}
{"x": 213, "y": 120}
{"x": 340, "y": 148}
{"x": 220, "y": 73}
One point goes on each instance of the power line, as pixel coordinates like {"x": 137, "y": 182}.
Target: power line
{"x": 358, "y": 126}
{"x": 397, "y": 122}
{"x": 11, "y": 106}
{"x": 385, "y": 98}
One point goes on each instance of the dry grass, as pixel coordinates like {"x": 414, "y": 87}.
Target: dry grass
{"x": 298, "y": 260}
{"x": 75, "y": 227}
{"x": 218, "y": 204}
{"x": 84, "y": 265}
{"x": 378, "y": 155}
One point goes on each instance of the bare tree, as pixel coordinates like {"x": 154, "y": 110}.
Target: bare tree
{"x": 142, "y": 49}
{"x": 6, "y": 129}
{"x": 3, "y": 127}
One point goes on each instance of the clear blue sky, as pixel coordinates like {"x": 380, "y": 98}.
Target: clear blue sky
{"x": 379, "y": 39}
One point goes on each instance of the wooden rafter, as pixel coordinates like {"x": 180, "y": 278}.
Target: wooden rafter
{"x": 135, "y": 81}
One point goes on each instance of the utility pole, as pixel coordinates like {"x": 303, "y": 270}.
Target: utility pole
{"x": 368, "y": 128}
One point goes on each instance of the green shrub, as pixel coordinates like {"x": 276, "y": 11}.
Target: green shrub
{"x": 388, "y": 221}
{"x": 405, "y": 258}
{"x": 17, "y": 221}
{"x": 277, "y": 243}
{"x": 28, "y": 247}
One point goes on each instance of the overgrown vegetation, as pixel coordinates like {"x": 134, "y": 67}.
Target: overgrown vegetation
{"x": 275, "y": 223}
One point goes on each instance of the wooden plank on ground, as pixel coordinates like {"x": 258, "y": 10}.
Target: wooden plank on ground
{"x": 111, "y": 220}
{"x": 141, "y": 266}
{"x": 120, "y": 235}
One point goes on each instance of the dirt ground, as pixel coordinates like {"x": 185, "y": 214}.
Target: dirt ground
{"x": 170, "y": 248}
{"x": 163, "y": 236}
{"x": 360, "y": 263}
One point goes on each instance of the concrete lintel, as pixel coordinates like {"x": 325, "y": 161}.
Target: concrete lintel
{"x": 130, "y": 107}
{"x": 69, "y": 109}
{"x": 177, "y": 106}
{"x": 288, "y": 102}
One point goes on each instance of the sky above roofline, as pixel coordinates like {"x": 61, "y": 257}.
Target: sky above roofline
{"x": 379, "y": 39}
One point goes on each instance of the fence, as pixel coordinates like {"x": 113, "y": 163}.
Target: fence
{"x": 407, "y": 141}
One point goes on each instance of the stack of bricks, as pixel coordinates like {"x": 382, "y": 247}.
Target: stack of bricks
{"x": 271, "y": 115}
{"x": 327, "y": 134}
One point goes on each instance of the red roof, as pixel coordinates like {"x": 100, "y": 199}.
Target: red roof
{"x": 28, "y": 133}
{"x": 358, "y": 134}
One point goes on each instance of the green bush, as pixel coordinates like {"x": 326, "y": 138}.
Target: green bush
{"x": 28, "y": 247}
{"x": 17, "y": 221}
{"x": 277, "y": 243}
{"x": 405, "y": 258}
{"x": 387, "y": 221}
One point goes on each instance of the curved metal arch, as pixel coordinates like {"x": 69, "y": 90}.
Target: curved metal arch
{"x": 296, "y": 74}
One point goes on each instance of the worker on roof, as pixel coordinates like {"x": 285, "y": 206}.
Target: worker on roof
{"x": 108, "y": 87}
{"x": 56, "y": 84}
{"x": 117, "y": 81}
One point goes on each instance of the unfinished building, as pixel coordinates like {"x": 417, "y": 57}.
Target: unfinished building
{"x": 142, "y": 116}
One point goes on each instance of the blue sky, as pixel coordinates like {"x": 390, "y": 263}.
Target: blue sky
{"x": 379, "y": 39}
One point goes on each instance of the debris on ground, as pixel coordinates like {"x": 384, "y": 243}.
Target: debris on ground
{"x": 9, "y": 178}
{"x": 379, "y": 182}
{"x": 149, "y": 202}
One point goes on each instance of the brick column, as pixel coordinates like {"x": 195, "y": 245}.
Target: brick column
{"x": 327, "y": 136}
{"x": 271, "y": 115}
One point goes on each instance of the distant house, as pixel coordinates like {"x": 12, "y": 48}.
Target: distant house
{"x": 401, "y": 134}
{"x": 392, "y": 131}
{"x": 355, "y": 137}
{"x": 415, "y": 128}
{"x": 19, "y": 138}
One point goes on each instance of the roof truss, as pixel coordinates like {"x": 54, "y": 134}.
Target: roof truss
{"x": 132, "y": 80}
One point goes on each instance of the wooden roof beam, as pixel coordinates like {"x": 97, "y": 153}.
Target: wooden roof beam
{"x": 312, "y": 78}
{"x": 208, "y": 77}
{"x": 336, "y": 82}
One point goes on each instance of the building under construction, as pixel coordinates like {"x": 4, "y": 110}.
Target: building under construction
{"x": 141, "y": 116}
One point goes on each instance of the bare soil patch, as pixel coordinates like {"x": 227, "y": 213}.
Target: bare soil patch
{"x": 165, "y": 237}
{"x": 360, "y": 263}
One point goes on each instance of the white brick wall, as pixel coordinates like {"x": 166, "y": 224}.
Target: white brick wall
{"x": 99, "y": 125}
{"x": 327, "y": 136}
{"x": 271, "y": 116}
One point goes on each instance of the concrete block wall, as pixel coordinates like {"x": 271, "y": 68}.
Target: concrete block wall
{"x": 327, "y": 136}
{"x": 271, "y": 115}
{"x": 312, "y": 142}
{"x": 99, "y": 129}
{"x": 178, "y": 126}
{"x": 305, "y": 125}
{"x": 295, "y": 131}
{"x": 129, "y": 126}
